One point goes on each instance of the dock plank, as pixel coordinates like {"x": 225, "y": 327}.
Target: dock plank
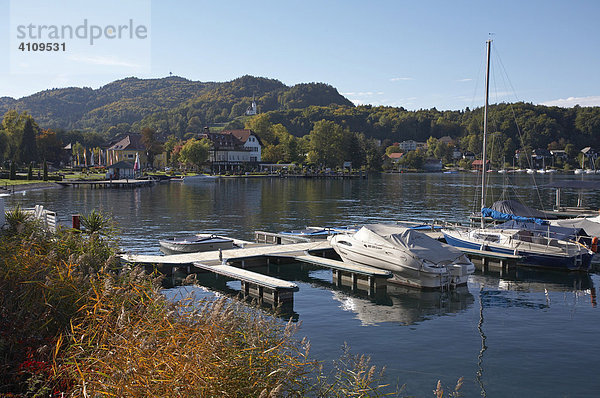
{"x": 248, "y": 276}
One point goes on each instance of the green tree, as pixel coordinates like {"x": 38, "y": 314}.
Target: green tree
{"x": 262, "y": 126}
{"x": 153, "y": 147}
{"x": 326, "y": 139}
{"x": 28, "y": 147}
{"x": 195, "y": 152}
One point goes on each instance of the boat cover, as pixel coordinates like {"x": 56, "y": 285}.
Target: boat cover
{"x": 408, "y": 240}
{"x": 517, "y": 208}
{"x": 498, "y": 215}
{"x": 592, "y": 228}
{"x": 557, "y": 232}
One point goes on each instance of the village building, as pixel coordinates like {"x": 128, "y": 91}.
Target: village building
{"x": 234, "y": 150}
{"x": 130, "y": 146}
{"x": 120, "y": 170}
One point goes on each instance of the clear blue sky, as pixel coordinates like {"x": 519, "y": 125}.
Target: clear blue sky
{"x": 415, "y": 54}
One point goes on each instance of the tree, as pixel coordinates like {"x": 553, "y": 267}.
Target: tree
{"x": 50, "y": 148}
{"x": 28, "y": 147}
{"x": 153, "y": 147}
{"x": 325, "y": 144}
{"x": 45, "y": 171}
{"x": 262, "y": 126}
{"x": 172, "y": 142}
{"x": 195, "y": 152}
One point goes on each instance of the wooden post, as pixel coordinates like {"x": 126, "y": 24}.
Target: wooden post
{"x": 76, "y": 222}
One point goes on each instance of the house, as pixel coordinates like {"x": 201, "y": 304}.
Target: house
{"x": 559, "y": 154}
{"x": 232, "y": 149}
{"x": 541, "y": 157}
{"x": 468, "y": 155}
{"x": 395, "y": 156}
{"x": 409, "y": 145}
{"x": 477, "y": 164}
{"x": 120, "y": 170}
{"x": 456, "y": 154}
{"x": 126, "y": 149}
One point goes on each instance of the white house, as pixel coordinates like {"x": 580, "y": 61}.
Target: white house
{"x": 233, "y": 148}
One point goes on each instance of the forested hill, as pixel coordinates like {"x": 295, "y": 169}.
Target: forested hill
{"x": 178, "y": 103}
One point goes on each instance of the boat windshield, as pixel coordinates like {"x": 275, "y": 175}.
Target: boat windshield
{"x": 487, "y": 237}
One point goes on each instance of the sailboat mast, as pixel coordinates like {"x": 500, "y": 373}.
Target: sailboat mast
{"x": 485, "y": 110}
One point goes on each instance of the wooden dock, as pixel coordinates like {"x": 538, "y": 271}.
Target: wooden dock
{"x": 486, "y": 260}
{"x": 124, "y": 183}
{"x": 262, "y": 287}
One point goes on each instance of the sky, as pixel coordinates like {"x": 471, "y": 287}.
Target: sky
{"x": 413, "y": 54}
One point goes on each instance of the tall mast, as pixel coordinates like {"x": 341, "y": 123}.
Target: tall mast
{"x": 485, "y": 109}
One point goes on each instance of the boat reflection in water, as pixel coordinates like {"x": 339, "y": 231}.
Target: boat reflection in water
{"x": 502, "y": 290}
{"x": 405, "y": 305}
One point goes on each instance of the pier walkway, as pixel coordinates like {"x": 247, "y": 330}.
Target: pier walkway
{"x": 266, "y": 288}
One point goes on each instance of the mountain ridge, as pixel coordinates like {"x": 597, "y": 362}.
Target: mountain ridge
{"x": 134, "y": 101}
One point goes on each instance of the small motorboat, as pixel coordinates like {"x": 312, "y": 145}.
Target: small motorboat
{"x": 414, "y": 258}
{"x": 198, "y": 178}
{"x": 195, "y": 243}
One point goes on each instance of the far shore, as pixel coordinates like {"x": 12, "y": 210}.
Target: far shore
{"x": 27, "y": 187}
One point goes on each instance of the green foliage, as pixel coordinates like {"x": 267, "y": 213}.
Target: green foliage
{"x": 17, "y": 220}
{"x": 97, "y": 222}
{"x": 194, "y": 152}
{"x": 326, "y": 139}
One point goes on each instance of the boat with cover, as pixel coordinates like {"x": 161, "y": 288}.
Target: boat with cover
{"x": 195, "y": 243}
{"x": 414, "y": 258}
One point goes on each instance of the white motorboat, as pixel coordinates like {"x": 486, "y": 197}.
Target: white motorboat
{"x": 195, "y": 243}
{"x": 414, "y": 258}
{"x": 199, "y": 178}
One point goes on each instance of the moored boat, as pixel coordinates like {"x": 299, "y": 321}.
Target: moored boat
{"x": 195, "y": 243}
{"x": 414, "y": 258}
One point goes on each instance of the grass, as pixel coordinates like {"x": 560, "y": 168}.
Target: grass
{"x": 74, "y": 322}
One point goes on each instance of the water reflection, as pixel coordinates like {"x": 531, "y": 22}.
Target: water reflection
{"x": 503, "y": 291}
{"x": 405, "y": 305}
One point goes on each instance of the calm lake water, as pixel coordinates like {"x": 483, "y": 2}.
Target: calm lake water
{"x": 528, "y": 334}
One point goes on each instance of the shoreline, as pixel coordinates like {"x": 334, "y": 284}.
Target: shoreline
{"x": 27, "y": 187}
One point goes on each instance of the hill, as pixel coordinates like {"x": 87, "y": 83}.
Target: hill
{"x": 170, "y": 104}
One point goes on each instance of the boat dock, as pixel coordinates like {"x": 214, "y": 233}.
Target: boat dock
{"x": 486, "y": 260}
{"x": 124, "y": 183}
{"x": 265, "y": 288}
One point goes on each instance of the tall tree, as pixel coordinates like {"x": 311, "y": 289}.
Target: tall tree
{"x": 326, "y": 140}
{"x": 28, "y": 147}
{"x": 153, "y": 147}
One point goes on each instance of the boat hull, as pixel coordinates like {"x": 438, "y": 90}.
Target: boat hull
{"x": 579, "y": 262}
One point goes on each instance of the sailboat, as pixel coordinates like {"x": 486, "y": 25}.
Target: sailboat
{"x": 537, "y": 248}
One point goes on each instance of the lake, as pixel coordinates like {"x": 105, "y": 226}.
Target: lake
{"x": 527, "y": 333}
